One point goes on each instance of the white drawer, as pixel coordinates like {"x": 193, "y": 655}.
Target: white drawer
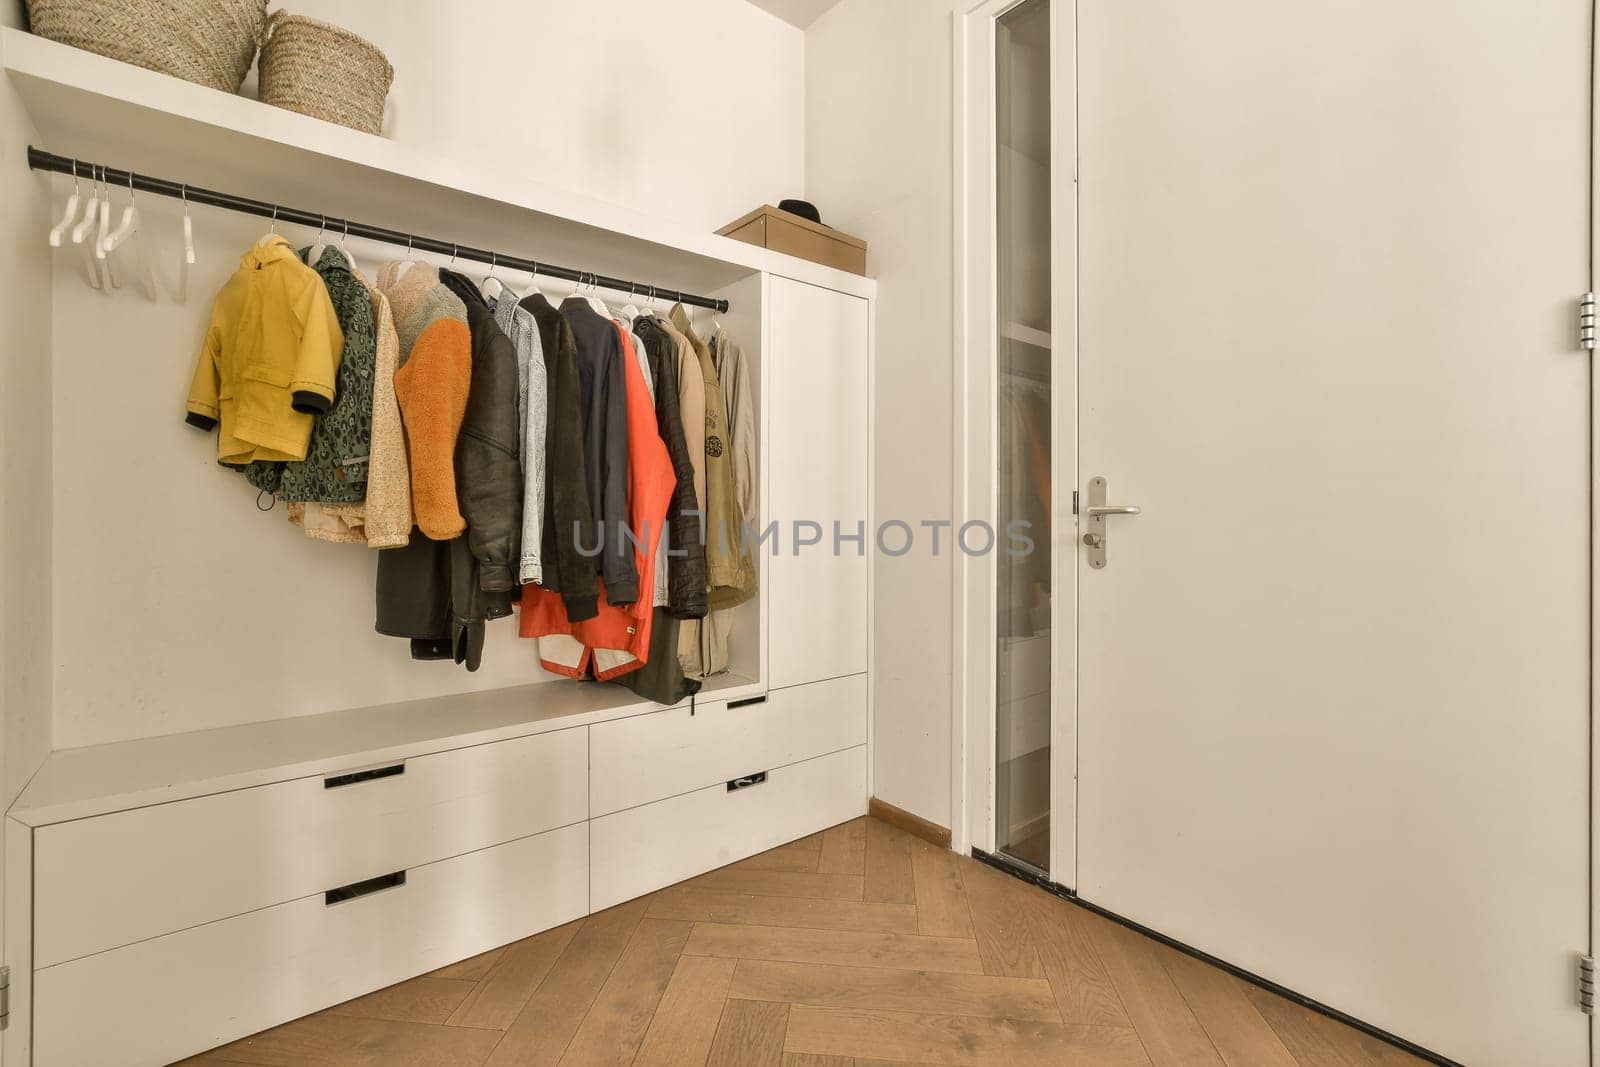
{"x": 642, "y": 849}
{"x": 115, "y": 879}
{"x": 665, "y": 753}
{"x": 173, "y": 996}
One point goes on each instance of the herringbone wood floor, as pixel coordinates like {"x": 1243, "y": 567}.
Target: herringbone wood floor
{"x": 860, "y": 945}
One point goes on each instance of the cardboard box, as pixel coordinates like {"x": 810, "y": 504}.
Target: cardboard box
{"x": 782, "y": 232}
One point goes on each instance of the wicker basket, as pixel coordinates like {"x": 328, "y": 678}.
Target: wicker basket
{"x": 323, "y": 71}
{"x": 207, "y": 41}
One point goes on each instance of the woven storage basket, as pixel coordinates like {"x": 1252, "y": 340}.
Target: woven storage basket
{"x": 323, "y": 71}
{"x": 207, "y": 41}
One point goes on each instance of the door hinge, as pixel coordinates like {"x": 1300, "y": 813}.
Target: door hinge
{"x": 1586, "y": 984}
{"x": 5, "y": 997}
{"x": 1586, "y": 321}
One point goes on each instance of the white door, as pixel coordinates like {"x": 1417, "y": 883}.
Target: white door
{"x": 817, "y": 619}
{"x": 1334, "y": 690}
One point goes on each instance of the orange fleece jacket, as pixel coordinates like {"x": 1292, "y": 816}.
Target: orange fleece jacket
{"x": 432, "y": 389}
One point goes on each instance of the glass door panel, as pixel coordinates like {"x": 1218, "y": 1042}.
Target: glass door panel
{"x": 1024, "y": 476}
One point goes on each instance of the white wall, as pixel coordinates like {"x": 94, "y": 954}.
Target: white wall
{"x": 692, "y": 110}
{"x": 25, "y": 447}
{"x": 878, "y": 164}
{"x": 25, "y": 443}
{"x": 177, "y": 605}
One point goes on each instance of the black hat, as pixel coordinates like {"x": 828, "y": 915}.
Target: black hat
{"x": 801, "y": 208}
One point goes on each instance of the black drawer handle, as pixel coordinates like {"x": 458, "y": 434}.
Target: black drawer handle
{"x": 747, "y": 781}
{"x": 361, "y": 889}
{"x": 363, "y": 776}
{"x": 747, "y": 701}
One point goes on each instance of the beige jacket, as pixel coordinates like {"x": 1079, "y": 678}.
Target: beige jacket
{"x": 729, "y": 444}
{"x": 733, "y": 374}
{"x": 726, "y": 565}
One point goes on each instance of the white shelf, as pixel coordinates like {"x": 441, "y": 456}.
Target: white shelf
{"x": 78, "y": 782}
{"x": 100, "y": 109}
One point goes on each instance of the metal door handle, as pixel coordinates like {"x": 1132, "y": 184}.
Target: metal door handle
{"x": 1095, "y": 511}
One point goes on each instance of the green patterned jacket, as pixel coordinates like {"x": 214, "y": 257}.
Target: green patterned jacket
{"x": 335, "y": 468}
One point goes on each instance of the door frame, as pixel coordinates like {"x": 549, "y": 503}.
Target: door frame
{"x": 974, "y": 578}
{"x": 1594, "y": 511}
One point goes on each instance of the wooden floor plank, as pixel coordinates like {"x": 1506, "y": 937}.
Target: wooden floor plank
{"x": 844, "y": 849}
{"x": 910, "y": 952}
{"x": 1170, "y": 1032}
{"x": 999, "y": 919}
{"x": 799, "y": 856}
{"x": 495, "y": 1001}
{"x": 1313, "y": 1038}
{"x": 615, "y": 1025}
{"x": 1385, "y": 1054}
{"x": 703, "y": 905}
{"x": 859, "y": 946}
{"x": 545, "y": 1025}
{"x": 751, "y": 1034}
{"x": 326, "y": 1040}
{"x": 781, "y": 883}
{"x": 1060, "y": 935}
{"x": 421, "y": 1000}
{"x": 685, "y": 1024}
{"x": 888, "y": 864}
{"x": 895, "y": 990}
{"x": 473, "y": 968}
{"x": 901, "y": 1036}
{"x": 1241, "y": 1036}
{"x": 941, "y": 901}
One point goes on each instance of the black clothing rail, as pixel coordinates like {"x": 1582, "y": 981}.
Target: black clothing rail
{"x": 38, "y": 159}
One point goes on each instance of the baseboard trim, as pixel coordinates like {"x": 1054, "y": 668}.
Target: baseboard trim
{"x": 1027, "y": 875}
{"x": 915, "y": 825}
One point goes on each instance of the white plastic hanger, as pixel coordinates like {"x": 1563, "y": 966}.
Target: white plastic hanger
{"x": 129, "y": 229}
{"x": 405, "y": 264}
{"x": 314, "y": 253}
{"x": 629, "y": 311}
{"x": 91, "y": 215}
{"x": 71, "y": 211}
{"x": 594, "y": 301}
{"x": 125, "y": 225}
{"x": 188, "y": 248}
{"x": 101, "y": 232}
{"x": 272, "y": 229}
{"x": 533, "y": 279}
{"x": 493, "y": 287}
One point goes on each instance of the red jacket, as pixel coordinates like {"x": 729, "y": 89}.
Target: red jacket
{"x": 620, "y": 634}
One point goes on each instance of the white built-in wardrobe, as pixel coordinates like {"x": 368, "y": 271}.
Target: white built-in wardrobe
{"x": 256, "y": 806}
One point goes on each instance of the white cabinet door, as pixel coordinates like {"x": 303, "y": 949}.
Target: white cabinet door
{"x": 817, "y": 616}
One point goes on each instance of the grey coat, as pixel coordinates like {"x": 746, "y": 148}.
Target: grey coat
{"x": 532, "y": 412}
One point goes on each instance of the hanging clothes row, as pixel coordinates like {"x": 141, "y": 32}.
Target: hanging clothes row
{"x": 590, "y": 468}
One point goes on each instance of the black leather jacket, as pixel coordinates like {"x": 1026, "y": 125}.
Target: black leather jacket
{"x": 440, "y": 593}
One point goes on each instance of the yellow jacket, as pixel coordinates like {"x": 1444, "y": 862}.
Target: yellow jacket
{"x": 270, "y": 359}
